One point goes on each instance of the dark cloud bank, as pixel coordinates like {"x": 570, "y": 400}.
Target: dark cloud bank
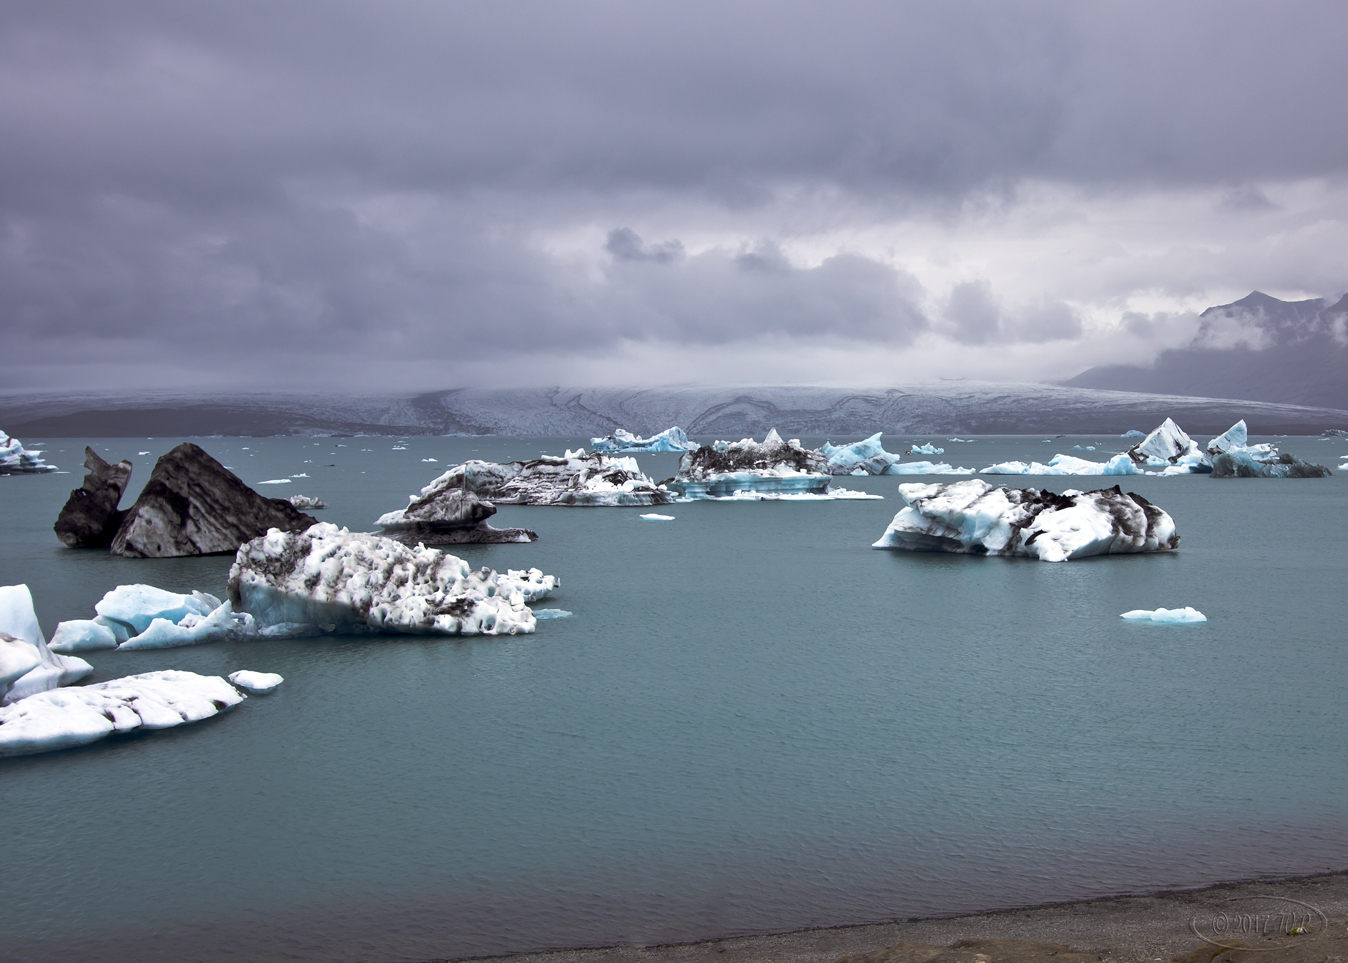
{"x": 238, "y": 195}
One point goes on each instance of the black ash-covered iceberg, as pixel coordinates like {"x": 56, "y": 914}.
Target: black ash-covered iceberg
{"x": 974, "y": 518}
{"x": 328, "y": 579}
{"x": 90, "y": 517}
{"x": 18, "y": 460}
{"x": 444, "y": 514}
{"x": 575, "y": 479}
{"x": 1247, "y": 464}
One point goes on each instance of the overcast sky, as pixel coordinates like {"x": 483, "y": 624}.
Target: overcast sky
{"x": 405, "y": 195}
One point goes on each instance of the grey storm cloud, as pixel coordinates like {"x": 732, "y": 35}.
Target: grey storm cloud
{"x": 349, "y": 177}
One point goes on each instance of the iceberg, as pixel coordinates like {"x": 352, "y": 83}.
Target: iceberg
{"x": 27, "y": 665}
{"x": 671, "y": 439}
{"x": 1252, "y": 463}
{"x": 90, "y": 518}
{"x": 868, "y": 457}
{"x": 18, "y": 460}
{"x": 76, "y": 716}
{"x": 972, "y": 517}
{"x": 311, "y": 502}
{"x": 726, "y": 469}
{"x": 551, "y": 614}
{"x": 329, "y": 579}
{"x": 82, "y": 635}
{"x": 447, "y": 515}
{"x": 653, "y": 517}
{"x": 927, "y": 449}
{"x": 1066, "y": 465}
{"x": 220, "y": 624}
{"x": 138, "y": 605}
{"x": 1133, "y": 433}
{"x": 575, "y": 479}
{"x": 256, "y": 682}
{"x": 1169, "y": 447}
{"x": 1237, "y": 436}
{"x": 1165, "y": 616}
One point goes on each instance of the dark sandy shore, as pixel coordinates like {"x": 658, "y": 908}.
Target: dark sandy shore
{"x": 1161, "y": 926}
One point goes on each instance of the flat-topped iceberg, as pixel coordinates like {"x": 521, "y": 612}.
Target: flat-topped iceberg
{"x": 447, "y": 515}
{"x": 868, "y": 457}
{"x": 18, "y": 460}
{"x": 27, "y": 665}
{"x": 1182, "y": 616}
{"x": 1251, "y": 463}
{"x": 1066, "y": 465}
{"x": 671, "y": 439}
{"x": 329, "y": 579}
{"x": 258, "y": 682}
{"x": 574, "y": 479}
{"x": 770, "y": 467}
{"x": 972, "y": 517}
{"x": 76, "y": 716}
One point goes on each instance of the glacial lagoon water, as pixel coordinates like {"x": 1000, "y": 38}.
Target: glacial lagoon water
{"x": 753, "y": 722}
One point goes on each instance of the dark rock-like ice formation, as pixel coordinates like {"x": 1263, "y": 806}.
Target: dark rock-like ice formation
{"x": 445, "y": 515}
{"x": 90, "y": 518}
{"x": 575, "y": 479}
{"x": 193, "y": 505}
{"x": 971, "y": 517}
{"x": 1242, "y": 463}
{"x": 773, "y": 466}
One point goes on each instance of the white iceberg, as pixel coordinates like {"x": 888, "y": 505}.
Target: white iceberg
{"x": 1067, "y": 465}
{"x": 308, "y": 501}
{"x": 868, "y": 457}
{"x": 219, "y": 625}
{"x": 927, "y": 449}
{"x": 1165, "y": 616}
{"x": 18, "y": 460}
{"x": 1169, "y": 447}
{"x": 1133, "y": 433}
{"x": 972, "y": 517}
{"x": 331, "y": 579}
{"x": 551, "y": 614}
{"x": 82, "y": 635}
{"x": 27, "y": 665}
{"x": 759, "y": 495}
{"x": 75, "y": 716}
{"x": 138, "y": 605}
{"x": 258, "y": 682}
{"x": 652, "y": 517}
{"x": 275, "y": 481}
{"x": 671, "y": 439}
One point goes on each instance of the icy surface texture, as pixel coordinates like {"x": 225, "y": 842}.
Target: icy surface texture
{"x": 18, "y": 460}
{"x": 329, "y": 578}
{"x": 1165, "y": 616}
{"x": 1067, "y": 465}
{"x": 1133, "y": 433}
{"x": 928, "y": 449}
{"x": 220, "y": 624}
{"x": 90, "y": 518}
{"x": 1237, "y": 436}
{"x": 307, "y": 501}
{"x": 1169, "y": 447}
{"x": 972, "y": 517}
{"x": 82, "y": 635}
{"x": 575, "y": 479}
{"x": 193, "y": 505}
{"x": 256, "y": 681}
{"x": 1254, "y": 463}
{"x": 70, "y": 717}
{"x": 445, "y": 514}
{"x": 671, "y": 439}
{"x": 139, "y": 605}
{"x": 770, "y": 467}
{"x": 27, "y": 665}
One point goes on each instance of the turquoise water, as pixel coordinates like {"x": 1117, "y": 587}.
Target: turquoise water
{"x": 753, "y": 722}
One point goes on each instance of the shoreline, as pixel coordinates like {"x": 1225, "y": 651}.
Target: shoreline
{"x": 1152, "y": 926}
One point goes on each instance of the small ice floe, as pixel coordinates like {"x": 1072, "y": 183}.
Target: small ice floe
{"x": 275, "y": 481}
{"x": 75, "y": 716}
{"x": 928, "y": 449}
{"x": 1086, "y": 448}
{"x": 652, "y": 517}
{"x": 831, "y": 494}
{"x": 255, "y": 682}
{"x": 551, "y": 614}
{"x": 962, "y": 441}
{"x": 432, "y": 460}
{"x": 1165, "y": 616}
{"x": 300, "y": 475}
{"x": 83, "y": 635}
{"x": 307, "y": 501}
{"x": 1069, "y": 465}
{"x": 398, "y": 448}
{"x": 142, "y": 453}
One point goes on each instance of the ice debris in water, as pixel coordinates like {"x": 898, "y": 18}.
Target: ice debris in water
{"x": 671, "y": 439}
{"x": 551, "y": 614}
{"x": 1166, "y": 616}
{"x": 18, "y": 460}
{"x": 1133, "y": 433}
{"x": 275, "y": 481}
{"x": 575, "y": 479}
{"x": 972, "y": 517}
{"x": 1066, "y": 465}
{"x": 927, "y": 449}
{"x": 307, "y": 501}
{"x": 62, "y": 718}
{"x": 653, "y": 517}
{"x": 258, "y": 682}
{"x": 328, "y": 578}
{"x": 747, "y": 470}
{"x": 27, "y": 665}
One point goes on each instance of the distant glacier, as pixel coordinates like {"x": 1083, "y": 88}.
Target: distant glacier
{"x": 842, "y": 414}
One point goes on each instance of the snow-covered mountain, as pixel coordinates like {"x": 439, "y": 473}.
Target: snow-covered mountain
{"x": 1258, "y": 348}
{"x": 725, "y": 412}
